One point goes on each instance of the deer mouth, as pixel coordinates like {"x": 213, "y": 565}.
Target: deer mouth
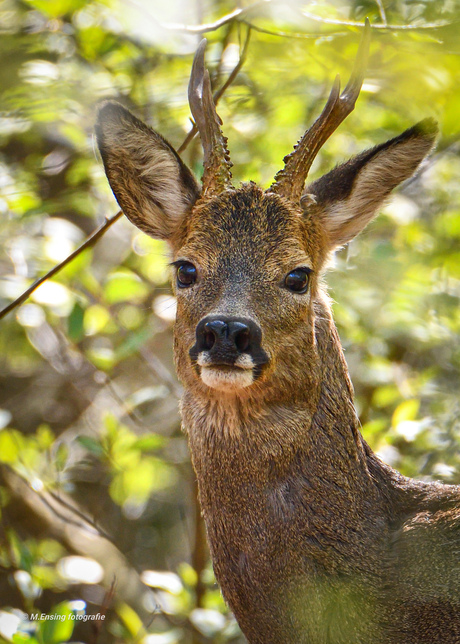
{"x": 224, "y": 376}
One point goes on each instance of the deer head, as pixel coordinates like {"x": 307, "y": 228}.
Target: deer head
{"x": 248, "y": 262}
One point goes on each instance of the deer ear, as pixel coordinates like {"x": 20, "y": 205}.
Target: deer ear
{"x": 153, "y": 187}
{"x": 349, "y": 196}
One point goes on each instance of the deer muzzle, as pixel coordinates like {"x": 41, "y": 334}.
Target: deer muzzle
{"x": 228, "y": 352}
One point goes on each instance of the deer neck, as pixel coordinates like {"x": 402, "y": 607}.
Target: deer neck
{"x": 288, "y": 498}
{"x": 261, "y": 439}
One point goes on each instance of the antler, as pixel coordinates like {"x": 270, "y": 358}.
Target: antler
{"x": 289, "y": 181}
{"x": 217, "y": 164}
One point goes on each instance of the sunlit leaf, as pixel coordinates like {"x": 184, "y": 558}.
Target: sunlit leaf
{"x": 91, "y": 444}
{"x": 61, "y": 456}
{"x": 22, "y": 638}
{"x": 149, "y": 442}
{"x": 124, "y": 286}
{"x": 9, "y": 448}
{"x": 407, "y": 410}
{"x": 130, "y": 619}
{"x": 45, "y": 436}
{"x": 59, "y": 627}
{"x": 56, "y": 8}
{"x": 75, "y": 323}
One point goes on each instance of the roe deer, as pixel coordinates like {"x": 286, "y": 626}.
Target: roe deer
{"x": 313, "y": 539}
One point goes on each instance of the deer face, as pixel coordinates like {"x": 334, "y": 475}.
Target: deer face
{"x": 244, "y": 277}
{"x": 246, "y": 262}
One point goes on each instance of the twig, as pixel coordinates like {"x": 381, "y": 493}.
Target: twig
{"x": 84, "y": 542}
{"x": 237, "y": 14}
{"x": 74, "y": 510}
{"x": 382, "y": 13}
{"x": 99, "y": 232}
{"x": 106, "y": 604}
{"x": 285, "y": 34}
{"x": 349, "y": 23}
{"x": 218, "y": 94}
{"x": 92, "y": 239}
{"x": 240, "y": 15}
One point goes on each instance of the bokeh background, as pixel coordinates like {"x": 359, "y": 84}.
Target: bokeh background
{"x": 97, "y": 496}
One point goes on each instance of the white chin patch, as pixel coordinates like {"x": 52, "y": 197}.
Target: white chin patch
{"x": 228, "y": 379}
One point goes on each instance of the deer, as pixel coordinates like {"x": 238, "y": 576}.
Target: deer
{"x": 313, "y": 539}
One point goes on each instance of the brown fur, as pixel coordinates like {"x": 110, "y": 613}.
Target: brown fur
{"x": 313, "y": 539}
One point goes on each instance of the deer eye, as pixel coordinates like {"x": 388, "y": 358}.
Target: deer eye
{"x": 186, "y": 275}
{"x": 297, "y": 280}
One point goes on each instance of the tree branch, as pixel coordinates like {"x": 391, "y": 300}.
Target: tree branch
{"x": 237, "y": 14}
{"x": 286, "y": 34}
{"x": 78, "y": 538}
{"x": 99, "y": 232}
{"x": 349, "y": 23}
{"x": 218, "y": 94}
{"x": 241, "y": 14}
{"x": 382, "y": 13}
{"x": 92, "y": 239}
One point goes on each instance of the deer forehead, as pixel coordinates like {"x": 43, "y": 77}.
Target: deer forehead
{"x": 249, "y": 230}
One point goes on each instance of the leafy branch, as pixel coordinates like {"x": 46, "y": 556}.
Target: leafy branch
{"x": 220, "y": 92}
{"x": 241, "y": 15}
{"x": 238, "y": 15}
{"x": 103, "y": 228}
{"x": 91, "y": 241}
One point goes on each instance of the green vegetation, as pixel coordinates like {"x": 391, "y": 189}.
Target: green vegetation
{"x": 97, "y": 497}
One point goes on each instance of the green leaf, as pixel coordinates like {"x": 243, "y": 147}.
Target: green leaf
{"x": 102, "y": 357}
{"x": 136, "y": 483}
{"x": 8, "y": 447}
{"x": 61, "y": 457}
{"x": 133, "y": 343}
{"x": 56, "y": 8}
{"x": 91, "y": 444}
{"x": 124, "y": 286}
{"x": 45, "y": 436}
{"x": 407, "y": 410}
{"x": 95, "y": 319}
{"x": 75, "y": 323}
{"x": 150, "y": 442}
{"x": 59, "y": 627}
{"x": 22, "y": 638}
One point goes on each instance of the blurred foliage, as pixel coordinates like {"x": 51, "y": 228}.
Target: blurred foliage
{"x": 97, "y": 497}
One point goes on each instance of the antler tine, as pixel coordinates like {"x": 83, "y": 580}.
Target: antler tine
{"x": 289, "y": 181}
{"x": 217, "y": 164}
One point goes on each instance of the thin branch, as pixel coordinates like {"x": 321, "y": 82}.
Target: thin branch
{"x": 383, "y": 15}
{"x": 237, "y": 14}
{"x": 240, "y": 15}
{"x": 218, "y": 94}
{"x": 287, "y": 34}
{"x": 348, "y": 23}
{"x": 81, "y": 515}
{"x": 161, "y": 371}
{"x": 106, "y": 604}
{"x": 99, "y": 232}
{"x": 92, "y": 239}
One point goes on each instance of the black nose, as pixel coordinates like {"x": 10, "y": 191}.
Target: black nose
{"x": 232, "y": 336}
{"x": 231, "y": 332}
